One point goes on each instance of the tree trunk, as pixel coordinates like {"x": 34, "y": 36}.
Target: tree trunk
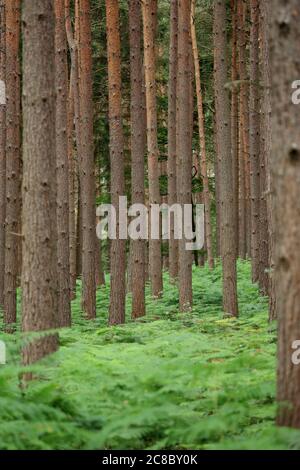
{"x": 234, "y": 121}
{"x": 172, "y": 151}
{"x": 118, "y": 246}
{"x": 228, "y": 248}
{"x": 184, "y": 156}
{"x": 244, "y": 123}
{"x": 87, "y": 176}
{"x": 208, "y": 235}
{"x": 2, "y": 147}
{"x": 155, "y": 258}
{"x": 62, "y": 165}
{"x": 285, "y": 39}
{"x": 265, "y": 144}
{"x": 254, "y": 107}
{"x": 39, "y": 275}
{"x": 266, "y": 148}
{"x": 137, "y": 154}
{"x": 12, "y": 161}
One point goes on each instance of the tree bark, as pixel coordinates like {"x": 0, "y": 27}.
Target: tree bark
{"x": 172, "y": 150}
{"x": 12, "y": 161}
{"x": 254, "y": 108}
{"x": 202, "y": 141}
{"x": 2, "y": 147}
{"x": 39, "y": 274}
{"x": 118, "y": 246}
{"x": 184, "y": 156}
{"x": 285, "y": 38}
{"x": 62, "y": 165}
{"x": 155, "y": 258}
{"x": 137, "y": 154}
{"x": 87, "y": 176}
{"x": 223, "y": 130}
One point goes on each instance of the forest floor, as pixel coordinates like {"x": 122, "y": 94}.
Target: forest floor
{"x": 167, "y": 381}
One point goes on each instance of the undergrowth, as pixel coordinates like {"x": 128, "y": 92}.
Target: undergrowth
{"x": 167, "y": 381}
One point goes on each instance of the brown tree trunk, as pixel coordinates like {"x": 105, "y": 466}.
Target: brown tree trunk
{"x": 87, "y": 176}
{"x": 62, "y": 165}
{"x": 265, "y": 146}
{"x": 172, "y": 151}
{"x": 12, "y": 161}
{"x": 155, "y": 258}
{"x": 39, "y": 275}
{"x": 228, "y": 248}
{"x": 202, "y": 141}
{"x": 72, "y": 189}
{"x": 118, "y": 246}
{"x": 234, "y": 121}
{"x": 244, "y": 123}
{"x": 285, "y": 39}
{"x": 254, "y": 108}
{"x": 137, "y": 154}
{"x": 2, "y": 147}
{"x": 184, "y": 156}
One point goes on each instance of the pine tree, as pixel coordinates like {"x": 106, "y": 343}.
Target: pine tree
{"x": 149, "y": 27}
{"x": 137, "y": 153}
{"x": 223, "y": 136}
{"x": 118, "y": 246}
{"x": 2, "y": 147}
{"x": 285, "y": 37}
{"x": 39, "y": 274}
{"x": 62, "y": 164}
{"x": 87, "y": 174}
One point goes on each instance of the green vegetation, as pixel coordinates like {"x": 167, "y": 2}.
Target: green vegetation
{"x": 168, "y": 381}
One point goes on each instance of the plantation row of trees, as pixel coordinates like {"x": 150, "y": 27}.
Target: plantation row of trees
{"x": 216, "y": 149}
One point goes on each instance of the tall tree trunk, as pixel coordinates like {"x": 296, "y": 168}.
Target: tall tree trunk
{"x": 2, "y": 147}
{"x": 155, "y": 258}
{"x": 39, "y": 274}
{"x": 265, "y": 131}
{"x": 72, "y": 189}
{"x": 228, "y": 248}
{"x": 208, "y": 234}
{"x": 285, "y": 39}
{"x": 184, "y": 155}
{"x": 265, "y": 143}
{"x": 172, "y": 151}
{"x": 254, "y": 107}
{"x": 234, "y": 121}
{"x": 87, "y": 176}
{"x": 118, "y": 246}
{"x": 62, "y": 165}
{"x": 137, "y": 154}
{"x": 244, "y": 123}
{"x": 12, "y": 161}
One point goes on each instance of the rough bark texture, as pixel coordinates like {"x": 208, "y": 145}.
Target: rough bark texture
{"x": 118, "y": 246}
{"x": 155, "y": 258}
{"x": 184, "y": 156}
{"x": 285, "y": 38}
{"x": 62, "y": 165}
{"x": 172, "y": 151}
{"x": 265, "y": 147}
{"x": 245, "y": 228}
{"x": 87, "y": 176}
{"x": 39, "y": 275}
{"x": 202, "y": 141}
{"x": 12, "y": 161}
{"x": 223, "y": 130}
{"x": 137, "y": 154}
{"x": 2, "y": 149}
{"x": 254, "y": 109}
{"x": 234, "y": 121}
